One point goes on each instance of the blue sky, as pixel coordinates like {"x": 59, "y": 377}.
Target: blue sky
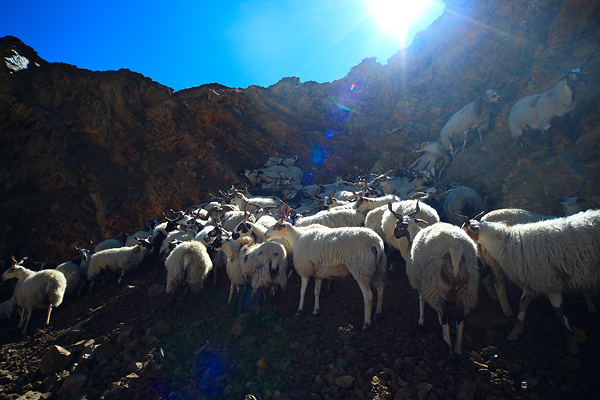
{"x": 184, "y": 44}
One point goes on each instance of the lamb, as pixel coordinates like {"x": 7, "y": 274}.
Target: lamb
{"x": 393, "y": 216}
{"x": 120, "y": 260}
{"x": 262, "y": 266}
{"x": 434, "y": 160}
{"x": 464, "y": 201}
{"x": 537, "y": 111}
{"x": 475, "y": 115}
{"x": 43, "y": 289}
{"x": 546, "y": 257}
{"x": 325, "y": 252}
{"x": 442, "y": 267}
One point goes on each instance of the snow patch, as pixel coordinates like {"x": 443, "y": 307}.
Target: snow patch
{"x": 16, "y": 62}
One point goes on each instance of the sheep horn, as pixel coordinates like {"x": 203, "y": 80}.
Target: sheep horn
{"x": 14, "y": 262}
{"x": 463, "y": 218}
{"x": 414, "y": 213}
{"x": 394, "y": 213}
{"x": 418, "y": 195}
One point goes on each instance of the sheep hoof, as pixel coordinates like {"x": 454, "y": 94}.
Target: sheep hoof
{"x": 316, "y": 312}
{"x": 299, "y": 314}
{"x": 366, "y": 327}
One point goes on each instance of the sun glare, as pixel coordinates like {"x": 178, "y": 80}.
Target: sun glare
{"x": 400, "y": 18}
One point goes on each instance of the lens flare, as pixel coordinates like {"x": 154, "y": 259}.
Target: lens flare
{"x": 329, "y": 134}
{"x": 343, "y": 107}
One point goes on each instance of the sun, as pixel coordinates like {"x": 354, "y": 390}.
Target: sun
{"x": 400, "y": 18}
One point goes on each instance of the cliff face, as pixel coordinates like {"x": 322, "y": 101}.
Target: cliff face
{"x": 86, "y": 155}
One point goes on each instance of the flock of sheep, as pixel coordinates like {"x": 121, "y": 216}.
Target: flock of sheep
{"x": 356, "y": 229}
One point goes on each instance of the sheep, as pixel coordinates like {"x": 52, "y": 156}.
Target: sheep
{"x": 188, "y": 263}
{"x": 475, "y": 115}
{"x": 442, "y": 267}
{"x": 393, "y": 215}
{"x": 334, "y": 218}
{"x": 108, "y": 244}
{"x": 177, "y": 235}
{"x": 43, "y": 289}
{"x": 365, "y": 204}
{"x": 509, "y": 216}
{"x": 537, "y": 111}
{"x": 325, "y": 252}
{"x": 72, "y": 273}
{"x": 545, "y": 257}
{"x": 464, "y": 201}
{"x": 262, "y": 266}
{"x": 434, "y": 160}
{"x": 120, "y": 260}
{"x": 330, "y": 202}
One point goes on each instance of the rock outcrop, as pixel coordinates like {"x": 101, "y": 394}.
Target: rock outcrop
{"x": 86, "y": 155}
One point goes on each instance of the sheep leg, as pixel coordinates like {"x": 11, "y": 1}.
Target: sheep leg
{"x": 365, "y": 288}
{"x": 526, "y": 298}
{"x": 48, "y": 315}
{"x": 460, "y": 325}
{"x": 500, "y": 287}
{"x": 318, "y": 283}
{"x": 443, "y": 318}
{"x": 421, "y": 310}
{"x": 479, "y": 131}
{"x": 379, "y": 286}
{"x": 556, "y": 300}
{"x": 29, "y": 312}
{"x": 465, "y": 141}
{"x": 303, "y": 285}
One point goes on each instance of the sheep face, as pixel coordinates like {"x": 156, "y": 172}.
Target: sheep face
{"x": 472, "y": 229}
{"x": 576, "y": 78}
{"x": 12, "y": 272}
{"x": 242, "y": 229}
{"x": 490, "y": 97}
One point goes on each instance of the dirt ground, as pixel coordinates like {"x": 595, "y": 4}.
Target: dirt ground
{"x": 207, "y": 351}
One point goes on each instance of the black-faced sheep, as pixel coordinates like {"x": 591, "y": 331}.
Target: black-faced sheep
{"x": 537, "y": 111}
{"x": 442, "y": 267}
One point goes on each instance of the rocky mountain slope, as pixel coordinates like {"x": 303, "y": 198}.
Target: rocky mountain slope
{"x": 85, "y": 155}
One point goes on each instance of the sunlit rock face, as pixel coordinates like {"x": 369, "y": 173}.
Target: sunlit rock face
{"x": 86, "y": 155}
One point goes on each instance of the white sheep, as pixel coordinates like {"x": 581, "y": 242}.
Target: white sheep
{"x": 188, "y": 262}
{"x": 262, "y": 266}
{"x": 537, "y": 111}
{"x": 335, "y": 253}
{"x": 364, "y": 204}
{"x": 435, "y": 159}
{"x": 475, "y": 115}
{"x": 119, "y": 260}
{"x": 509, "y": 216}
{"x": 442, "y": 267}
{"x": 393, "y": 216}
{"x": 546, "y": 257}
{"x": 336, "y": 217}
{"x": 44, "y": 289}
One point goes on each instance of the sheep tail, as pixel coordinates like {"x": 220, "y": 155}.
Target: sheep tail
{"x": 54, "y": 293}
{"x": 455, "y": 257}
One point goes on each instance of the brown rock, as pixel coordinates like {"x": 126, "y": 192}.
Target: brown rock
{"x": 55, "y": 360}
